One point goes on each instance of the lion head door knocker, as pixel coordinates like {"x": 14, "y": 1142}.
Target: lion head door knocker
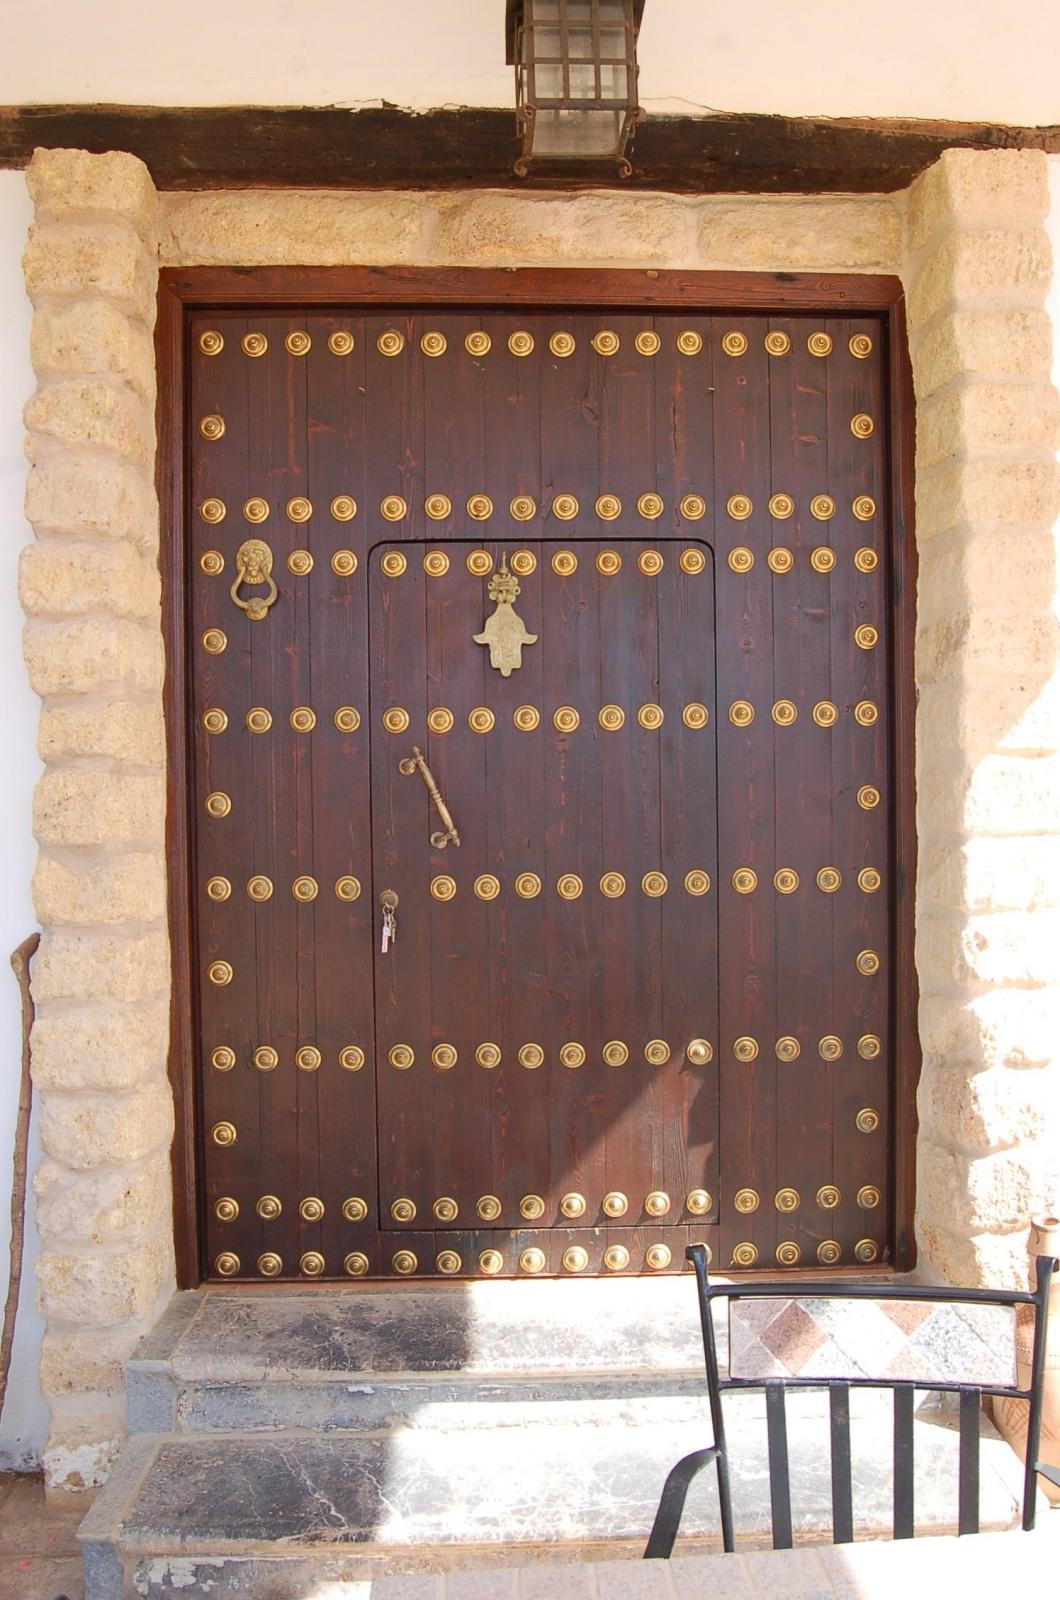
{"x": 254, "y": 568}
{"x": 505, "y": 632}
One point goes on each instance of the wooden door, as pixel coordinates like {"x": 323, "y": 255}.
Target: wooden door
{"x": 691, "y": 1021}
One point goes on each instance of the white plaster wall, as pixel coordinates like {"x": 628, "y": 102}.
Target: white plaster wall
{"x": 883, "y": 58}
{"x": 24, "y": 1419}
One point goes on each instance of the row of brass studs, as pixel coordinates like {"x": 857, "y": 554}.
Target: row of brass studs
{"x": 828, "y": 1197}
{"x": 615, "y": 1053}
{"x": 532, "y": 1207}
{"x": 825, "y": 714}
{"x": 303, "y": 719}
{"x": 789, "y": 1254}
{"x": 305, "y": 888}
{"x": 781, "y": 560}
{"x": 786, "y": 880}
{"x": 569, "y": 886}
{"x": 788, "y": 1048}
{"x": 565, "y": 719}
{"x": 299, "y": 562}
{"x": 391, "y": 342}
{"x": 311, "y": 1263}
{"x": 307, "y": 1057}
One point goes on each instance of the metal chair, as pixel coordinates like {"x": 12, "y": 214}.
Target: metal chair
{"x": 675, "y": 1490}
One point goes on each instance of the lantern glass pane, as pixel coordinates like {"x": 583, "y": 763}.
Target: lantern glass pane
{"x": 613, "y": 44}
{"x": 613, "y": 84}
{"x": 548, "y": 82}
{"x": 583, "y": 83}
{"x": 580, "y": 44}
{"x": 544, "y": 42}
{"x": 577, "y": 133}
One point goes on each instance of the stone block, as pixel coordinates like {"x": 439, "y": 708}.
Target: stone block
{"x": 966, "y": 187}
{"x": 997, "y": 1260}
{"x": 979, "y": 1112}
{"x": 99, "y": 1288}
{"x": 93, "y": 336}
{"x": 987, "y": 418}
{"x": 86, "y": 1131}
{"x": 987, "y": 874}
{"x": 100, "y": 1046}
{"x": 91, "y": 654}
{"x": 973, "y": 718}
{"x": 983, "y": 343}
{"x": 293, "y": 228}
{"x": 987, "y": 494}
{"x": 92, "y": 258}
{"x": 92, "y": 496}
{"x": 490, "y": 228}
{"x": 1004, "y": 948}
{"x": 90, "y": 414}
{"x": 126, "y": 888}
{"x": 1004, "y": 267}
{"x": 113, "y": 1205}
{"x": 970, "y": 646}
{"x": 78, "y": 1360}
{"x": 75, "y": 807}
{"x": 1014, "y": 1028}
{"x": 840, "y": 233}
{"x": 994, "y": 571}
{"x": 997, "y": 1192}
{"x": 125, "y": 730}
{"x": 999, "y": 797}
{"x": 90, "y": 965}
{"x": 65, "y": 578}
{"x": 65, "y": 183}
{"x": 79, "y": 1456}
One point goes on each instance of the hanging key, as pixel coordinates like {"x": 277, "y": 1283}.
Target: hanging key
{"x": 389, "y": 901}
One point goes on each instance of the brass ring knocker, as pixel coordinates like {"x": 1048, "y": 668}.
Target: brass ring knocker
{"x": 254, "y": 567}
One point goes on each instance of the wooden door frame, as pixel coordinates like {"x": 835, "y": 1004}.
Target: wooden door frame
{"x": 183, "y": 290}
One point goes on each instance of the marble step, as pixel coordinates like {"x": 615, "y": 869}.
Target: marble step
{"x": 285, "y": 1515}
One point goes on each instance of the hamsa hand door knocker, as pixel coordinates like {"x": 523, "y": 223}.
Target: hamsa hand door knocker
{"x": 254, "y": 568}
{"x": 505, "y": 632}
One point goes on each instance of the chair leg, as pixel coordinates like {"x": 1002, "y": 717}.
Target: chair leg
{"x": 672, "y": 1502}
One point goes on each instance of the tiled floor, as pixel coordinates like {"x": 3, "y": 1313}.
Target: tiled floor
{"x": 39, "y": 1560}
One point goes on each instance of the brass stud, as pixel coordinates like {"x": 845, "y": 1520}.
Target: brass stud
{"x": 562, "y": 345}
{"x": 611, "y": 718}
{"x": 573, "y": 1205}
{"x": 608, "y": 507}
{"x": 521, "y": 343}
{"x": 488, "y": 1208}
{"x": 356, "y": 1264}
{"x": 869, "y": 880}
{"x": 211, "y": 343}
{"x": 866, "y": 560}
{"x": 226, "y": 1209}
{"x": 657, "y": 1203}
{"x": 734, "y": 344}
{"x": 698, "y": 1202}
{"x": 745, "y": 1048}
{"x": 266, "y": 1058}
{"x": 828, "y": 1197}
{"x": 254, "y": 345}
{"x": 259, "y": 887}
{"x": 311, "y": 1209}
{"x": 403, "y": 1210}
{"x": 829, "y": 1252}
{"x": 481, "y": 719}
{"x": 785, "y": 712}
{"x": 746, "y": 1201}
{"x": 348, "y": 888}
{"x": 300, "y": 562}
{"x": 822, "y": 506}
{"x": 390, "y": 343}
{"x": 528, "y": 885}
{"x": 695, "y": 715}
{"x": 785, "y": 880}
{"x": 689, "y": 342}
{"x": 658, "y": 1256}
{"x": 868, "y": 797}
{"x": 565, "y": 507}
{"x": 647, "y": 343}
{"x": 436, "y": 563}
{"x": 788, "y": 1253}
{"x": 308, "y": 1058}
{"x": 299, "y": 509}
{"x": 572, "y": 1055}
{"x": 615, "y": 1204}
{"x": 434, "y": 343}
{"x": 654, "y": 884}
{"x": 825, "y": 714}
{"x": 866, "y": 1250}
{"x": 303, "y": 719}
{"x": 605, "y": 343}
{"x": 830, "y": 1048}
{"x": 741, "y": 713}
{"x": 448, "y": 1261}
{"x": 745, "y": 880}
{"x": 437, "y": 507}
{"x": 616, "y": 1258}
{"x": 693, "y": 507}
{"x": 212, "y": 562}
{"x": 866, "y": 713}
{"x": 741, "y": 559}
{"x": 569, "y": 886}
{"x": 869, "y": 1047}
{"x": 401, "y": 1057}
{"x": 697, "y": 882}
{"x": 650, "y": 716}
{"x": 478, "y": 342}
{"x": 298, "y": 342}
{"x": 656, "y": 1052}
{"x": 440, "y": 719}
{"x": 576, "y": 1258}
{"x": 532, "y": 1207}
{"x": 491, "y": 1262}
{"x": 608, "y": 562}
{"x": 692, "y": 561}
{"x": 393, "y": 564}
{"x": 220, "y": 973}
{"x": 523, "y": 508}
{"x": 488, "y": 1055}
{"x": 787, "y": 1200}
{"x": 444, "y": 1057}
{"x": 523, "y": 563}
{"x": 781, "y": 506}
{"x": 256, "y": 509}
{"x": 650, "y": 506}
{"x": 868, "y": 1197}
{"x": 269, "y": 1207}
{"x": 341, "y": 342}
{"x": 531, "y": 1056}
{"x": 212, "y": 427}
{"x": 867, "y": 1120}
{"x": 864, "y": 507}
{"x": 479, "y": 507}
{"x": 780, "y": 559}
{"x": 445, "y": 1208}
{"x": 829, "y": 879}
{"x": 615, "y": 1053}
{"x": 344, "y": 508}
{"x": 404, "y": 1262}
{"x": 223, "y": 1134}
{"x": 819, "y": 344}
{"x": 699, "y": 1052}
{"x": 787, "y": 1048}
{"x": 862, "y": 425}
{"x": 214, "y": 720}
{"x": 227, "y": 1264}
{"x": 344, "y": 563}
{"x": 564, "y": 563}
{"x": 739, "y": 507}
{"x": 861, "y": 346}
{"x": 823, "y": 559}
{"x": 745, "y": 1254}
{"x": 868, "y": 962}
{"x": 223, "y": 1058}
{"x": 355, "y": 1209}
{"x": 305, "y": 888}
{"x": 396, "y": 720}
{"x": 866, "y": 637}
{"x": 777, "y": 342}
{"x": 526, "y": 718}
{"x": 487, "y": 886}
{"x": 443, "y": 887}
{"x": 532, "y": 1260}
{"x": 218, "y": 888}
{"x": 351, "y": 1057}
{"x": 213, "y": 511}
{"x": 393, "y": 507}
{"x": 258, "y": 719}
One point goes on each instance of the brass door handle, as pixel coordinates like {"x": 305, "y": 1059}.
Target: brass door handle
{"x": 416, "y": 763}
{"x": 254, "y": 568}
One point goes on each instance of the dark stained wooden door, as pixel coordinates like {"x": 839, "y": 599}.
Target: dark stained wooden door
{"x": 720, "y": 485}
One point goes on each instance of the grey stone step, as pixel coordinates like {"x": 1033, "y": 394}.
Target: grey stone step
{"x": 281, "y": 1515}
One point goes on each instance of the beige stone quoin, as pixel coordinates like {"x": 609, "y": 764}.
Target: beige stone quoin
{"x": 970, "y": 243}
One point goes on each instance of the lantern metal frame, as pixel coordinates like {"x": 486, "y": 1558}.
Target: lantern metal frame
{"x": 562, "y": 26}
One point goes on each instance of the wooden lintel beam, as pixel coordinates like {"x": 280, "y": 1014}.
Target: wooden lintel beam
{"x": 237, "y": 147}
